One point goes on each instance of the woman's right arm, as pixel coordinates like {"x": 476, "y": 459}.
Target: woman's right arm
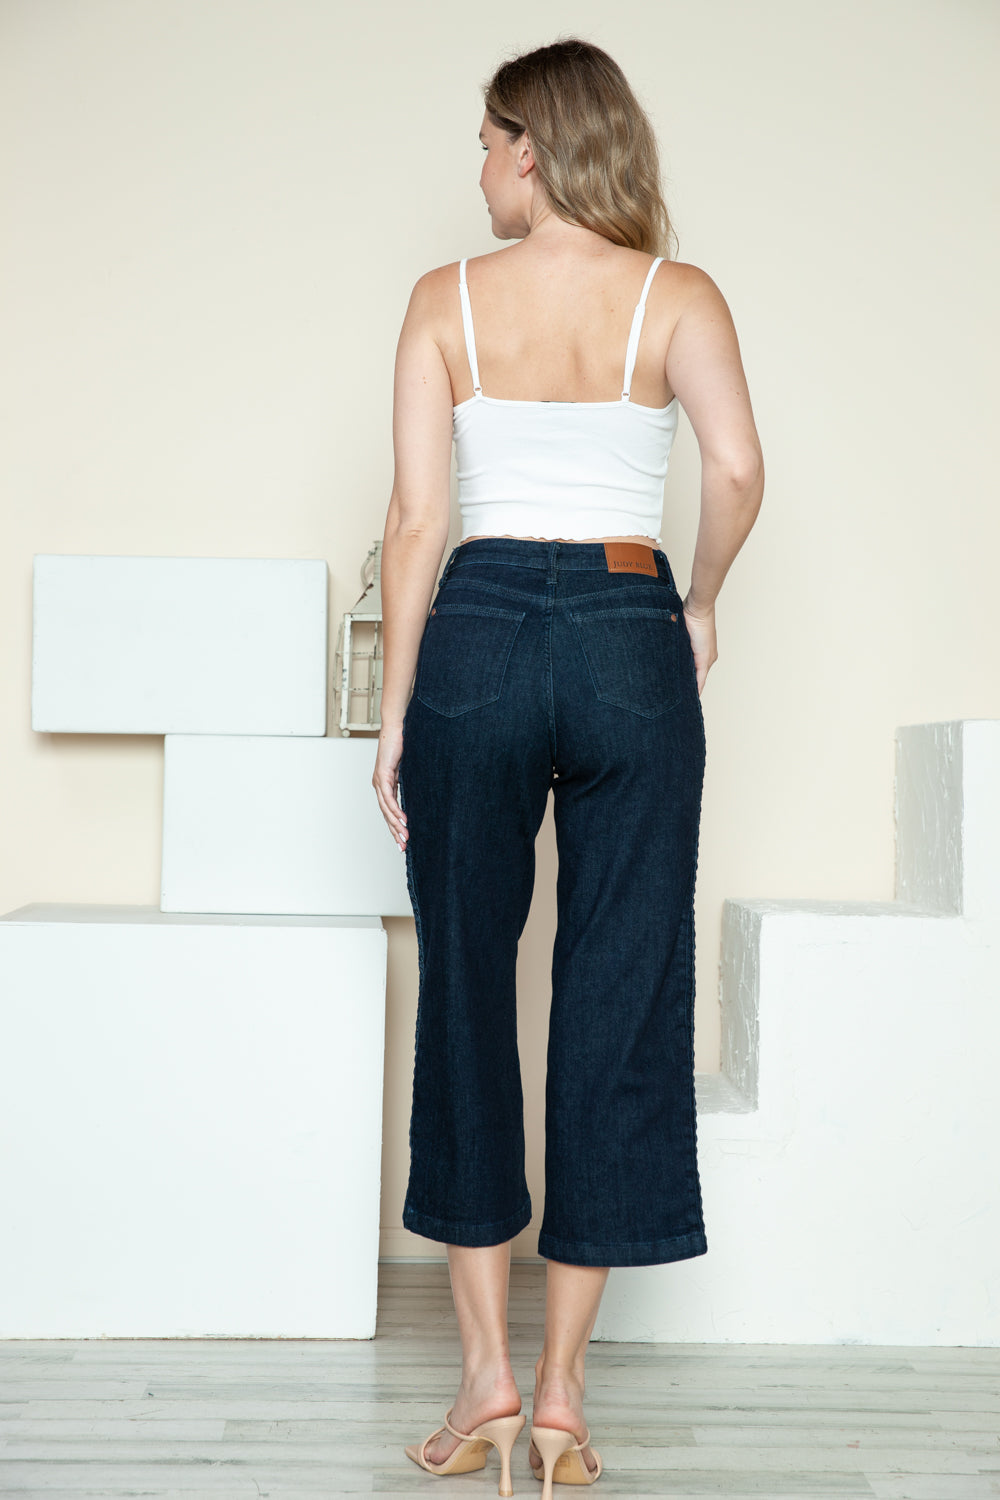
{"x": 705, "y": 370}
{"x": 418, "y": 518}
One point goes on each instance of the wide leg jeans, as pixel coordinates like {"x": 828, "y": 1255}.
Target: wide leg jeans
{"x": 541, "y": 667}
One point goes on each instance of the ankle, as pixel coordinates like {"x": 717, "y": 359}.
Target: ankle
{"x": 488, "y": 1373}
{"x": 559, "y": 1378}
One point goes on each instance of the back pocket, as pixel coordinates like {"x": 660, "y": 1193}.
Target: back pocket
{"x": 463, "y": 656}
{"x": 633, "y": 654}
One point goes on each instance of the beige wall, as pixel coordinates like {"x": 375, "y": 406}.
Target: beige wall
{"x": 215, "y": 211}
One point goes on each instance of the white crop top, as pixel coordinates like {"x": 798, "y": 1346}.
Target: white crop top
{"x": 572, "y": 469}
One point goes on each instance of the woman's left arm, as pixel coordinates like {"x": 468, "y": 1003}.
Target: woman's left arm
{"x": 417, "y": 521}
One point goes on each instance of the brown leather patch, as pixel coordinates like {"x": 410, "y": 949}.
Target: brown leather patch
{"x": 630, "y": 557}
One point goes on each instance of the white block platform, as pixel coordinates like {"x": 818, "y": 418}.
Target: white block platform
{"x": 850, "y": 1151}
{"x": 190, "y": 1118}
{"x": 170, "y": 645}
{"x": 262, "y": 824}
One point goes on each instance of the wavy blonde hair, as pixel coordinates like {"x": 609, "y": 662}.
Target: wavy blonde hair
{"x": 594, "y": 148}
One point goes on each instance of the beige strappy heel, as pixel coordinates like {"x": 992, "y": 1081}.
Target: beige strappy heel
{"x": 471, "y": 1452}
{"x": 562, "y": 1459}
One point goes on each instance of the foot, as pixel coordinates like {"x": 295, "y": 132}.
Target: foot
{"x": 558, "y": 1402}
{"x": 480, "y": 1399}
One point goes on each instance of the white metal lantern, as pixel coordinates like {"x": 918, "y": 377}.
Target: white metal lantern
{"x": 359, "y": 652}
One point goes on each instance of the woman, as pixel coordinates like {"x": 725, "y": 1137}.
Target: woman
{"x": 556, "y": 653}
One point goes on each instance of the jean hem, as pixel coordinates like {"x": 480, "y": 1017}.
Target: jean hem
{"x": 627, "y": 1253}
{"x": 454, "y": 1232}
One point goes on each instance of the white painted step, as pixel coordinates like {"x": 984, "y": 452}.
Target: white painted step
{"x": 255, "y": 824}
{"x": 171, "y": 645}
{"x": 850, "y": 1149}
{"x": 191, "y": 1117}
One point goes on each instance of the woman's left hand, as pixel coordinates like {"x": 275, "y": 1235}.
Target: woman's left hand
{"x": 385, "y": 780}
{"x": 704, "y": 646}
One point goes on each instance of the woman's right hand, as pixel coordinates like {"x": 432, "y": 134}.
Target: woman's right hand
{"x": 701, "y": 629}
{"x": 385, "y": 780}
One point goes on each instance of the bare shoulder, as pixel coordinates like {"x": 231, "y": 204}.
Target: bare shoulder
{"x": 434, "y": 300}
{"x": 434, "y": 289}
{"x": 687, "y": 282}
{"x": 693, "y": 291}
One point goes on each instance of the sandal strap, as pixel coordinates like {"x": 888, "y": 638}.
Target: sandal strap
{"x": 466, "y": 1438}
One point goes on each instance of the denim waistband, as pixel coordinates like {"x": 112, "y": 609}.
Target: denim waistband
{"x": 547, "y": 556}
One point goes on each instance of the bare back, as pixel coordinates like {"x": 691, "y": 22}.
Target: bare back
{"x": 553, "y": 325}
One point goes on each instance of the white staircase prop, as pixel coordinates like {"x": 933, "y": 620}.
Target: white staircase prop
{"x": 850, "y": 1151}
{"x": 257, "y": 824}
{"x": 191, "y": 1118}
{"x": 169, "y": 645}
{"x": 191, "y": 1105}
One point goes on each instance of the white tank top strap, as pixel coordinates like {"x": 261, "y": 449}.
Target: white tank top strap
{"x": 470, "y": 337}
{"x": 633, "y": 338}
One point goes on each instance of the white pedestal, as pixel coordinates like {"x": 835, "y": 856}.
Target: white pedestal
{"x": 191, "y": 1114}
{"x": 850, "y": 1151}
{"x": 171, "y": 645}
{"x": 261, "y": 824}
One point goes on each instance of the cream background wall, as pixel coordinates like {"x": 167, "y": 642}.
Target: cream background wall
{"x": 214, "y": 213}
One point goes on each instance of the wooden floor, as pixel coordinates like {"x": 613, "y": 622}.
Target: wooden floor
{"x": 227, "y": 1418}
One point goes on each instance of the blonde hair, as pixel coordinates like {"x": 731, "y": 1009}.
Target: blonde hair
{"x": 594, "y": 148}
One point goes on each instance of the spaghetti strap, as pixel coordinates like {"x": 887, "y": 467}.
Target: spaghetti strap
{"x": 470, "y": 337}
{"x": 636, "y": 329}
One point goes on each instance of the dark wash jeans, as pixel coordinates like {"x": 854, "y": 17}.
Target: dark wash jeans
{"x": 538, "y": 668}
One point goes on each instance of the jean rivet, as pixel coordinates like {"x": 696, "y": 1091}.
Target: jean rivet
{"x": 434, "y": 612}
{"x": 673, "y": 617}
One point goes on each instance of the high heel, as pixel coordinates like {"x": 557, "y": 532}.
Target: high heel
{"x": 562, "y": 1459}
{"x": 471, "y": 1452}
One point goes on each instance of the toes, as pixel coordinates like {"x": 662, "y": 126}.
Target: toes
{"x": 441, "y": 1455}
